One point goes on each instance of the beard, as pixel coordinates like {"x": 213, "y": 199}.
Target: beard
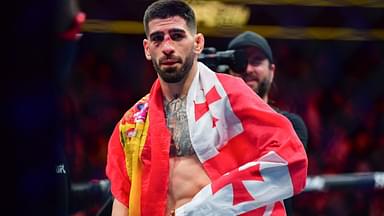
{"x": 174, "y": 74}
{"x": 263, "y": 88}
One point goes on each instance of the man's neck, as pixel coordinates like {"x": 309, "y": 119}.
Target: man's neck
{"x": 180, "y": 89}
{"x": 172, "y": 91}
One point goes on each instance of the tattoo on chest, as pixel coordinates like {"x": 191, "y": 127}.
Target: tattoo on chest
{"x": 177, "y": 123}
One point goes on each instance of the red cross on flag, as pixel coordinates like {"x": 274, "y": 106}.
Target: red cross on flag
{"x": 251, "y": 153}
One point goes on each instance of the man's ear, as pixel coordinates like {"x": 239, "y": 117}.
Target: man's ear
{"x": 146, "y": 49}
{"x": 272, "y": 67}
{"x": 199, "y": 43}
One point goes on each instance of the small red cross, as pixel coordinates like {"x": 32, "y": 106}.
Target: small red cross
{"x": 201, "y": 108}
{"x": 236, "y": 178}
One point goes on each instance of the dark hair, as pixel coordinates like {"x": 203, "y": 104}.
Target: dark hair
{"x": 169, "y": 8}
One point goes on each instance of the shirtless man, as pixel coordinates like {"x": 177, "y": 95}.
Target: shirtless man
{"x": 167, "y": 148}
{"x": 173, "y": 48}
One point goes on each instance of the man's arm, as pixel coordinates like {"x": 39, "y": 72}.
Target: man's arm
{"x": 119, "y": 209}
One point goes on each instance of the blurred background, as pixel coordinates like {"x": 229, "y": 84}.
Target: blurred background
{"x": 330, "y": 70}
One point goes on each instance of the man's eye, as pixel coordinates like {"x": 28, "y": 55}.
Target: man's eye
{"x": 177, "y": 36}
{"x": 157, "y": 38}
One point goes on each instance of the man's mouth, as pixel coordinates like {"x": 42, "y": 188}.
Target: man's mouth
{"x": 251, "y": 82}
{"x": 169, "y": 61}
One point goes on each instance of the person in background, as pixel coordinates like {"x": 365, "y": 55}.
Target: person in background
{"x": 188, "y": 147}
{"x": 259, "y": 74}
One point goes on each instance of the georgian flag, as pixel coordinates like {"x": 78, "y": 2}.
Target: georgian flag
{"x": 250, "y": 152}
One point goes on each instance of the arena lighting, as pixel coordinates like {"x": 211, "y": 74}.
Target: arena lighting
{"x": 216, "y": 14}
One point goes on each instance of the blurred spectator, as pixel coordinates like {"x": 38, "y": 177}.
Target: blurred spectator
{"x": 259, "y": 74}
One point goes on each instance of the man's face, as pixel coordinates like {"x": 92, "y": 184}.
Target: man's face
{"x": 259, "y": 72}
{"x": 171, "y": 47}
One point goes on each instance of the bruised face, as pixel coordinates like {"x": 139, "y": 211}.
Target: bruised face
{"x": 172, "y": 48}
{"x": 259, "y": 72}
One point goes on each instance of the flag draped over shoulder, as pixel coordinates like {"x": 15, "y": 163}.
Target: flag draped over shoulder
{"x": 250, "y": 152}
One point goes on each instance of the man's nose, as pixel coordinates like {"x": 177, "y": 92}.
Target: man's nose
{"x": 249, "y": 69}
{"x": 168, "y": 47}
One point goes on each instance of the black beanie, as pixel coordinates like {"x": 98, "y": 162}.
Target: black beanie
{"x": 249, "y": 38}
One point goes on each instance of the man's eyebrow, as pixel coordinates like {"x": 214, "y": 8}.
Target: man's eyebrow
{"x": 155, "y": 34}
{"x": 176, "y": 30}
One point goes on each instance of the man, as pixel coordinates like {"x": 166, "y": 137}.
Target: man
{"x": 189, "y": 147}
{"x": 259, "y": 75}
{"x": 260, "y": 72}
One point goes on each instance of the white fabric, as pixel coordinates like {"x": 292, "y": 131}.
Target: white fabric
{"x": 206, "y": 139}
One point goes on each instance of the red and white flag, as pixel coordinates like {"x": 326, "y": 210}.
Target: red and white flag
{"x": 251, "y": 153}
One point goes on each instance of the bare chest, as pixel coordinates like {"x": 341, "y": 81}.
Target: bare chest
{"x": 186, "y": 178}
